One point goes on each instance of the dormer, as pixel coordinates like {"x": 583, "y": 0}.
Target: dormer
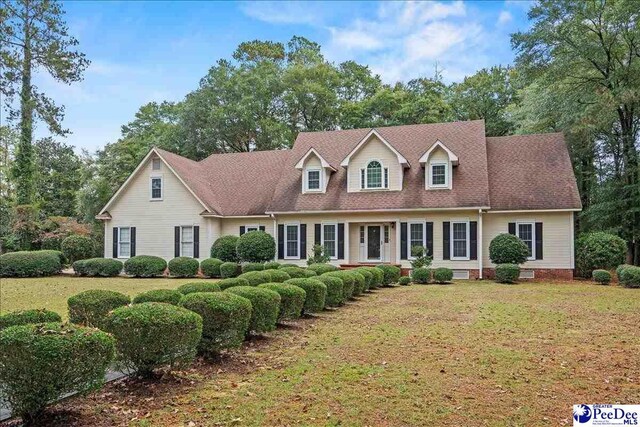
{"x": 374, "y": 165}
{"x": 438, "y": 162}
{"x": 316, "y": 172}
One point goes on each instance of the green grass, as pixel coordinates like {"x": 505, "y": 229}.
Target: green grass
{"x": 52, "y": 292}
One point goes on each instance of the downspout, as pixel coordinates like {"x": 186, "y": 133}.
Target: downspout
{"x": 480, "y": 244}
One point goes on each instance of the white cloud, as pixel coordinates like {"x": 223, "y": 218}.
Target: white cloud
{"x": 505, "y": 17}
{"x": 282, "y": 12}
{"x": 356, "y": 38}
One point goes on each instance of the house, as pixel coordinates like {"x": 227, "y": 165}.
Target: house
{"x": 366, "y": 195}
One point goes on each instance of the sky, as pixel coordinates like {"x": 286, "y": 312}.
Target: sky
{"x": 155, "y": 51}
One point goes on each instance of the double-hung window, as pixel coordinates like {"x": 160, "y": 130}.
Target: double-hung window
{"x": 416, "y": 236}
{"x": 329, "y": 237}
{"x": 186, "y": 241}
{"x": 438, "y": 175}
{"x": 374, "y": 176}
{"x": 526, "y": 233}
{"x": 313, "y": 180}
{"x": 292, "y": 241}
{"x": 124, "y": 242}
{"x": 460, "y": 240}
{"x": 156, "y": 188}
{"x": 249, "y": 228}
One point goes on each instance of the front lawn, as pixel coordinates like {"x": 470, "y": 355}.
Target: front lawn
{"x": 464, "y": 354}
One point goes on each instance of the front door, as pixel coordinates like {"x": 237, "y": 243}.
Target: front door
{"x": 373, "y": 242}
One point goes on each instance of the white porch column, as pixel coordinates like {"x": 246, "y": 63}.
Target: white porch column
{"x": 480, "y": 243}
{"x": 347, "y": 252}
{"x": 397, "y": 241}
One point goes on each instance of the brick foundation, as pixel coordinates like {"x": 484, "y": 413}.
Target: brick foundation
{"x": 539, "y": 273}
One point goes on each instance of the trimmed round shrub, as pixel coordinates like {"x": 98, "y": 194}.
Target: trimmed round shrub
{"x": 368, "y": 276}
{"x": 256, "y": 246}
{"x": 145, "y": 266}
{"x": 30, "y": 264}
{"x": 191, "y": 287}
{"x": 442, "y": 275}
{"x": 90, "y": 308}
{"x": 322, "y": 268}
{"x": 601, "y": 277}
{"x": 63, "y": 259}
{"x": 404, "y": 280}
{"x": 265, "y": 304}
{"x": 251, "y": 266}
{"x": 183, "y": 267}
{"x": 278, "y": 276}
{"x": 630, "y": 277}
{"x": 210, "y": 267}
{"x": 378, "y": 277}
{"x": 43, "y": 362}
{"x": 229, "y": 269}
{"x": 153, "y": 334}
{"x": 348, "y": 283}
{"x": 26, "y": 317}
{"x": 506, "y": 248}
{"x": 290, "y": 265}
{"x": 507, "y": 273}
{"x": 620, "y": 268}
{"x": 98, "y": 267}
{"x": 256, "y": 278}
{"x": 224, "y": 248}
{"x": 335, "y": 296}
{"x": 271, "y": 265}
{"x": 167, "y": 296}
{"x": 599, "y": 251}
{"x": 225, "y": 319}
{"x": 295, "y": 272}
{"x": 77, "y": 247}
{"x": 421, "y": 275}
{"x": 391, "y": 274}
{"x": 292, "y": 299}
{"x": 316, "y": 293}
{"x": 358, "y": 284}
{"x": 309, "y": 273}
{"x": 231, "y": 282}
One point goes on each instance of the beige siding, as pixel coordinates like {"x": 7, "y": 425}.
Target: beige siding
{"x": 231, "y": 226}
{"x": 374, "y": 149}
{"x": 155, "y": 220}
{"x": 557, "y": 231}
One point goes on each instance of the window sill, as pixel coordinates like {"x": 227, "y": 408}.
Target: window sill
{"x": 461, "y": 259}
{"x": 155, "y": 200}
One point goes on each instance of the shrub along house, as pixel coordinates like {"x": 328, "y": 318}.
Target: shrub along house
{"x": 366, "y": 195}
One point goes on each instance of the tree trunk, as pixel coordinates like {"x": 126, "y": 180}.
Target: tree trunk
{"x": 630, "y": 190}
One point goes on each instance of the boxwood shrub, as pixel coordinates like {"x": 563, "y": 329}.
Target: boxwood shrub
{"x": 265, "y": 304}
{"x": 224, "y": 248}
{"x": 30, "y": 264}
{"x": 153, "y": 334}
{"x": 292, "y": 299}
{"x": 630, "y": 277}
{"x": 26, "y": 317}
{"x": 98, "y": 267}
{"x": 378, "y": 277}
{"x": 191, "y": 287}
{"x": 278, "y": 276}
{"x": 404, "y": 280}
{"x": 348, "y": 283}
{"x": 252, "y": 266}
{"x": 210, "y": 267}
{"x": 145, "y": 266}
{"x": 506, "y": 248}
{"x": 442, "y": 275}
{"x": 295, "y": 272}
{"x": 322, "y": 268}
{"x": 256, "y": 278}
{"x": 271, "y": 265}
{"x": 168, "y": 296}
{"x": 335, "y": 296}
{"x": 231, "y": 282}
{"x": 358, "y": 284}
{"x": 90, "y": 308}
{"x": 289, "y": 265}
{"x": 421, "y": 275}
{"x": 309, "y": 273}
{"x": 391, "y": 274}
{"x": 256, "y": 246}
{"x": 620, "y": 268}
{"x": 229, "y": 269}
{"x": 43, "y": 362}
{"x": 225, "y": 319}
{"x": 316, "y": 293}
{"x": 507, "y": 273}
{"x": 63, "y": 259}
{"x": 368, "y": 276}
{"x": 77, "y": 247}
{"x": 183, "y": 267}
{"x": 599, "y": 250}
{"x": 601, "y": 277}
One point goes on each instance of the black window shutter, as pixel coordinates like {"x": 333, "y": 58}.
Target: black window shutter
{"x": 473, "y": 240}
{"x": 303, "y": 241}
{"x": 196, "y": 241}
{"x": 280, "y": 241}
{"x": 176, "y": 242}
{"x": 318, "y": 234}
{"x": 341, "y": 241}
{"x": 446, "y": 245}
{"x": 512, "y": 228}
{"x": 262, "y": 228}
{"x": 242, "y": 230}
{"x": 538, "y": 240}
{"x": 115, "y": 242}
{"x": 361, "y": 178}
{"x": 133, "y": 241}
{"x": 403, "y": 240}
{"x": 429, "y": 226}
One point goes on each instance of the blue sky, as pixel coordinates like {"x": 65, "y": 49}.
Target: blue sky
{"x": 155, "y": 51}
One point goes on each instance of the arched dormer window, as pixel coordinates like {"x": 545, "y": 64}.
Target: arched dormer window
{"x": 374, "y": 176}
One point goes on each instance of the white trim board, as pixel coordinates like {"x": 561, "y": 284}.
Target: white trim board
{"x": 401, "y": 159}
